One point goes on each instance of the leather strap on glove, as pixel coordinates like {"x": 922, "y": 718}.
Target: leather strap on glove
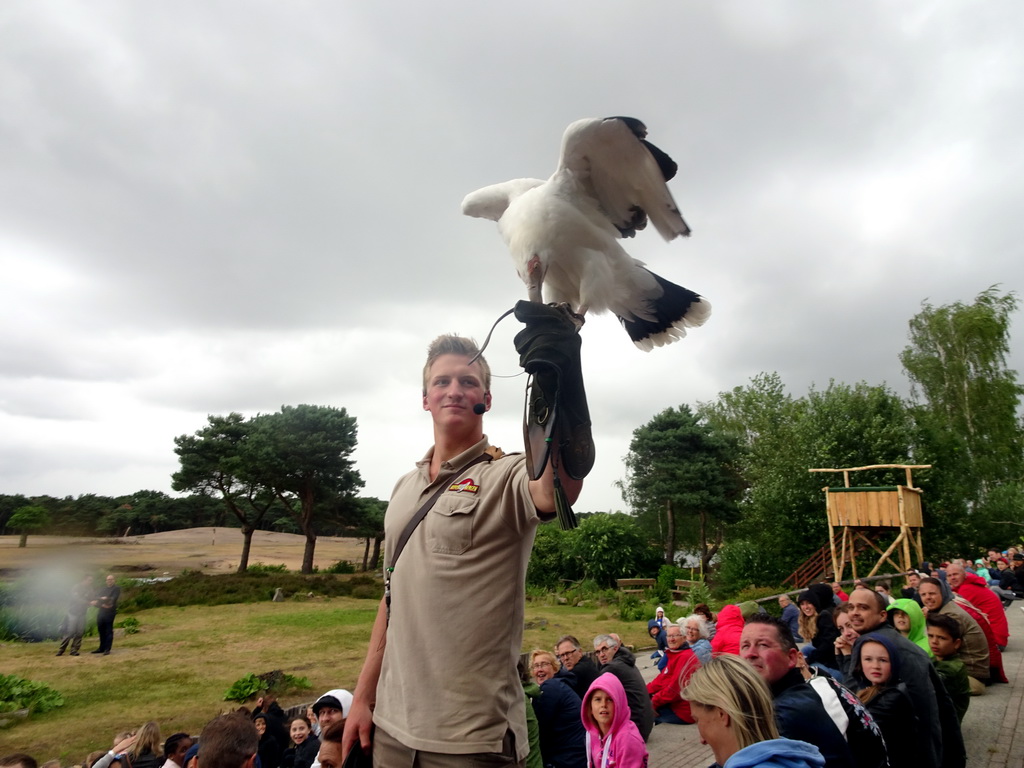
{"x": 556, "y": 412}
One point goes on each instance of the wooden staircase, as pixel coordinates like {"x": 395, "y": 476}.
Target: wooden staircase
{"x": 818, "y": 567}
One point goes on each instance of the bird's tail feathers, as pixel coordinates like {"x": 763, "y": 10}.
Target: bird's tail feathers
{"x": 666, "y": 317}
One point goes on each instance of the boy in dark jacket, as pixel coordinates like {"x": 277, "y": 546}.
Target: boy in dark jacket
{"x": 945, "y": 638}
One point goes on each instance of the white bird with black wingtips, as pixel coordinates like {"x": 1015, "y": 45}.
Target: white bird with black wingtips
{"x": 564, "y": 233}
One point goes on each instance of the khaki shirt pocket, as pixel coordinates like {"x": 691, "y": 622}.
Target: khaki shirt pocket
{"x": 450, "y": 524}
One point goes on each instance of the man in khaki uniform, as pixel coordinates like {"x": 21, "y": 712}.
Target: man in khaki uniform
{"x": 440, "y": 681}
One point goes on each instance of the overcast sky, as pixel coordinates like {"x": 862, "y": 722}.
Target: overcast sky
{"x": 215, "y": 206}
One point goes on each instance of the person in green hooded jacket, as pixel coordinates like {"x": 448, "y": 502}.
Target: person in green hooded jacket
{"x": 908, "y": 618}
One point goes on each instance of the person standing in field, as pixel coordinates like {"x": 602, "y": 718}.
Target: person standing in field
{"x": 106, "y": 610}
{"x": 73, "y": 626}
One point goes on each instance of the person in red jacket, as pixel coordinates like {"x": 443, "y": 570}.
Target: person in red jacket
{"x": 730, "y": 627}
{"x": 669, "y": 705}
{"x": 975, "y": 589}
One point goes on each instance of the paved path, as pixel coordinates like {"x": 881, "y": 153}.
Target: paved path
{"x": 993, "y": 726}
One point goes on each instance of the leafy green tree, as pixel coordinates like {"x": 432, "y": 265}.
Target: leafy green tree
{"x": 551, "y": 560}
{"x": 610, "y": 547}
{"x": 28, "y": 519}
{"x": 782, "y": 437}
{"x": 304, "y": 453}
{"x": 682, "y": 476}
{"x": 83, "y": 515}
{"x": 8, "y": 504}
{"x": 762, "y": 418}
{"x": 967, "y": 411}
{"x": 215, "y": 462}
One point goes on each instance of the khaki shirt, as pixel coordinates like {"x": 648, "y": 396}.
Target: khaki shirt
{"x": 449, "y": 683}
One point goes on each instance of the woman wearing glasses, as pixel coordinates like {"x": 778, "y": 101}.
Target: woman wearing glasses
{"x": 562, "y": 738}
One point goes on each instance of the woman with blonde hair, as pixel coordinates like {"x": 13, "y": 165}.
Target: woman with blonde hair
{"x": 145, "y": 752}
{"x": 732, "y": 706}
{"x": 563, "y": 741}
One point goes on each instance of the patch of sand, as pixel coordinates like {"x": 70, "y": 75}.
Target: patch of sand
{"x": 211, "y": 550}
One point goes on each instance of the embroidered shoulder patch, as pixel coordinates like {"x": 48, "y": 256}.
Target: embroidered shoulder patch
{"x": 464, "y": 486}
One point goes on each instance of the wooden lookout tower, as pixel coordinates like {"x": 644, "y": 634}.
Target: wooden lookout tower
{"x": 860, "y": 512}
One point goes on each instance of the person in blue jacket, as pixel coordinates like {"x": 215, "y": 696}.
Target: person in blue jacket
{"x": 733, "y": 708}
{"x": 791, "y": 616}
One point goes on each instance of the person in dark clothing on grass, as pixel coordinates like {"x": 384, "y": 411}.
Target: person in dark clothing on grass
{"x": 106, "y": 610}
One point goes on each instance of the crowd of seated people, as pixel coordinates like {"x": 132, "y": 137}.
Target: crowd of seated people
{"x": 279, "y": 740}
{"x": 881, "y": 675}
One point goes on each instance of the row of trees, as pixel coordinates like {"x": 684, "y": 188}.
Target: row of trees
{"x": 731, "y": 475}
{"x": 726, "y": 478}
{"x": 91, "y": 514}
{"x": 290, "y": 470}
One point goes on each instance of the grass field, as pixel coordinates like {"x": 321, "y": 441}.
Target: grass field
{"x": 177, "y": 668}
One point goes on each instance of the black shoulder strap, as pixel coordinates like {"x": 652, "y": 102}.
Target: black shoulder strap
{"x": 416, "y": 519}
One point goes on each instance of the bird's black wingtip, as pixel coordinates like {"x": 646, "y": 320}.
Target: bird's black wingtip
{"x": 671, "y": 314}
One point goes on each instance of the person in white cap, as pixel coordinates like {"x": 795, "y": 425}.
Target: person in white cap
{"x": 332, "y": 707}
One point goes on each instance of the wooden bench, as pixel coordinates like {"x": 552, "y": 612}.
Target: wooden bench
{"x": 635, "y": 586}
{"x": 682, "y": 587}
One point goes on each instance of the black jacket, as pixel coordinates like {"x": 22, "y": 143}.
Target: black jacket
{"x": 303, "y": 755}
{"x": 800, "y": 714}
{"x": 940, "y": 742}
{"x": 582, "y": 675}
{"x": 275, "y": 723}
{"x": 894, "y": 714}
{"x": 562, "y": 738}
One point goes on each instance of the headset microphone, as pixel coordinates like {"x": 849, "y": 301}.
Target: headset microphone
{"x": 479, "y": 409}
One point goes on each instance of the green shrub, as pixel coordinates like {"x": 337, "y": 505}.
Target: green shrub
{"x": 342, "y": 566}
{"x": 18, "y": 693}
{"x": 612, "y": 546}
{"x": 535, "y": 594}
{"x": 667, "y": 575}
{"x": 746, "y": 563}
{"x": 551, "y": 562}
{"x": 130, "y": 625}
{"x": 756, "y": 593}
{"x": 632, "y": 608}
{"x": 255, "y": 568}
{"x": 252, "y": 684}
{"x": 194, "y": 588}
{"x": 699, "y": 593}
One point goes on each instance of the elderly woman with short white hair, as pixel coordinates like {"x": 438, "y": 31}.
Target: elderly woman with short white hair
{"x": 696, "y": 630}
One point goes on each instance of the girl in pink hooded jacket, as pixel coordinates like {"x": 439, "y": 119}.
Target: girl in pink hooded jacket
{"x": 613, "y": 740}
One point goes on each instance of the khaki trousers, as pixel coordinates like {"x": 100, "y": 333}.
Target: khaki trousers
{"x": 388, "y": 752}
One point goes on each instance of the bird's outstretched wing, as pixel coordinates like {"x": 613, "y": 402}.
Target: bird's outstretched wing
{"x": 491, "y": 202}
{"x": 625, "y": 173}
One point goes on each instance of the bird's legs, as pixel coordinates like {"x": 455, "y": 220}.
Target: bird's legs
{"x": 534, "y": 280}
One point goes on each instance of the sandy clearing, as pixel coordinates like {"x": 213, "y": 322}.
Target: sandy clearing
{"x": 211, "y": 550}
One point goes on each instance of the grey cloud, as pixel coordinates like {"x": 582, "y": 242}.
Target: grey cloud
{"x": 213, "y": 209}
